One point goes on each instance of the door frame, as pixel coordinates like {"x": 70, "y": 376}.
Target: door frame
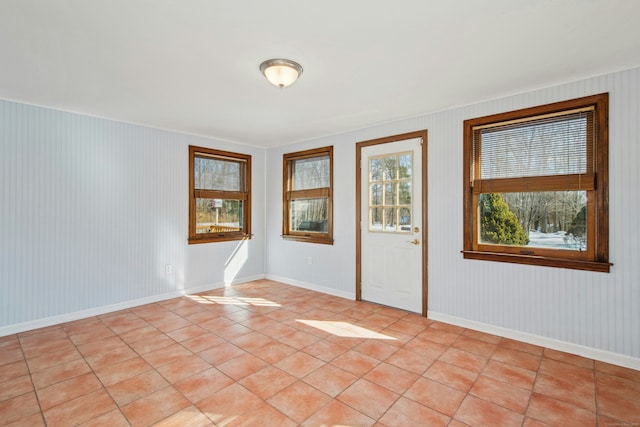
{"x": 425, "y": 250}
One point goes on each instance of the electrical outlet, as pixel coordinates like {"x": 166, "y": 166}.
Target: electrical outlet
{"x": 168, "y": 269}
{"x": 310, "y": 260}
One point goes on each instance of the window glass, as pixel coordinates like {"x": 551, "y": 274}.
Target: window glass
{"x": 307, "y": 206}
{"x": 390, "y": 193}
{"x": 375, "y": 219}
{"x": 218, "y": 215}
{"x": 311, "y": 173}
{"x": 309, "y": 215}
{"x": 405, "y": 166}
{"x": 376, "y": 169}
{"x": 404, "y": 193}
{"x": 551, "y": 219}
{"x": 390, "y": 190}
{"x": 376, "y": 194}
{"x": 537, "y": 189}
{"x": 390, "y": 167}
{"x": 216, "y": 174}
{"x": 219, "y": 195}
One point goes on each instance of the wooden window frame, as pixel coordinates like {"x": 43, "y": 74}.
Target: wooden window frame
{"x": 596, "y": 258}
{"x": 289, "y": 195}
{"x": 244, "y": 194}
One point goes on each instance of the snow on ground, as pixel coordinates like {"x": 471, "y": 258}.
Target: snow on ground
{"x": 555, "y": 240}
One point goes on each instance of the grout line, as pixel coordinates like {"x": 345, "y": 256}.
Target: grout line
{"x": 300, "y": 304}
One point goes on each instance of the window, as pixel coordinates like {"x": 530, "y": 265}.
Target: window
{"x": 219, "y": 195}
{"x": 307, "y": 211}
{"x": 390, "y": 193}
{"x": 536, "y": 185}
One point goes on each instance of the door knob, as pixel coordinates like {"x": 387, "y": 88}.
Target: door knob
{"x": 414, "y": 242}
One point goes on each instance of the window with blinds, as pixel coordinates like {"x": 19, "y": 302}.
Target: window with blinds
{"x": 536, "y": 185}
{"x": 557, "y": 147}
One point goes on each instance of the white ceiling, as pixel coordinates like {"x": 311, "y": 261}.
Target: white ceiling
{"x": 192, "y": 65}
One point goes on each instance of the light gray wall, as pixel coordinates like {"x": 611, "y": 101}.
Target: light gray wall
{"x": 332, "y": 269}
{"x": 594, "y": 310}
{"x": 93, "y": 211}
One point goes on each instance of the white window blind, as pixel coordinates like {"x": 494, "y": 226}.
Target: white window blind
{"x": 549, "y": 145}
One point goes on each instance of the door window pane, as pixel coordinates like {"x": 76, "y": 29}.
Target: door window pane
{"x": 390, "y": 219}
{"x": 376, "y": 194}
{"x": 404, "y": 219}
{"x": 390, "y": 167}
{"x": 375, "y": 219}
{"x": 404, "y": 170}
{"x": 404, "y": 193}
{"x": 375, "y": 169}
{"x": 390, "y": 194}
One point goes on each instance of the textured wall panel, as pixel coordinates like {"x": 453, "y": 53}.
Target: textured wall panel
{"x": 596, "y": 310}
{"x": 93, "y": 210}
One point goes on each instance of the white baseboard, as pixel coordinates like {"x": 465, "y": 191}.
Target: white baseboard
{"x": 210, "y": 287}
{"x": 312, "y": 287}
{"x": 589, "y": 352}
{"x": 580, "y": 350}
{"x": 83, "y": 314}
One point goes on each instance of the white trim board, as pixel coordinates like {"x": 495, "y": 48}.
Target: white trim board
{"x": 589, "y": 352}
{"x": 580, "y": 350}
{"x": 312, "y": 287}
{"x": 83, "y": 314}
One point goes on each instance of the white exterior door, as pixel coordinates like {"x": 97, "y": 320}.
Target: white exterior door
{"x": 391, "y": 224}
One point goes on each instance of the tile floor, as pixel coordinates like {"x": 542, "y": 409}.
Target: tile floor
{"x": 268, "y": 354}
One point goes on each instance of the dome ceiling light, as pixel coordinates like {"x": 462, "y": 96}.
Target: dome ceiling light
{"x": 281, "y": 72}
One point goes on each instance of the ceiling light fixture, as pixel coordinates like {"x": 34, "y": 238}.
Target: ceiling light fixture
{"x": 281, "y": 72}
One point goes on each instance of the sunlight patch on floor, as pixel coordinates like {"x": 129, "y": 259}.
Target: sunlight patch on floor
{"x": 242, "y": 301}
{"x": 345, "y": 329}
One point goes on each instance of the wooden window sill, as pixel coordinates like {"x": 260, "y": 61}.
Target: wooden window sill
{"x": 308, "y": 239}
{"x": 602, "y": 267}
